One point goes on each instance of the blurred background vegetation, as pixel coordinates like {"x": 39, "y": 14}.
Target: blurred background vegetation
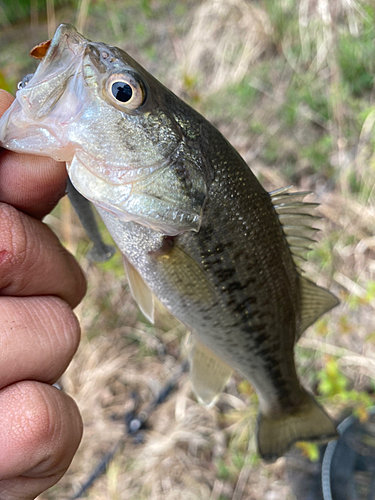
{"x": 291, "y": 84}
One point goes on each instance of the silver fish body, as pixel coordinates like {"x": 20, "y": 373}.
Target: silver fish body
{"x": 194, "y": 224}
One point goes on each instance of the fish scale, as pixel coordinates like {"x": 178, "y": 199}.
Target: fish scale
{"x": 194, "y": 225}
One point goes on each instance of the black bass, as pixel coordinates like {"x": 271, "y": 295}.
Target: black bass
{"x": 195, "y": 226}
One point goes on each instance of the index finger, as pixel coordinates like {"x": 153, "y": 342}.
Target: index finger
{"x": 33, "y": 184}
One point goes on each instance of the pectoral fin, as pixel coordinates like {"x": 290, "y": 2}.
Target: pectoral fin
{"x": 140, "y": 291}
{"x": 186, "y": 278}
{"x": 208, "y": 373}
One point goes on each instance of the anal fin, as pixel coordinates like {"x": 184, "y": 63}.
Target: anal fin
{"x": 208, "y": 373}
{"x": 140, "y": 291}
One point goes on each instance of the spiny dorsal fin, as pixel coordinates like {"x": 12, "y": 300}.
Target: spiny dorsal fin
{"x": 315, "y": 301}
{"x": 297, "y": 219}
{"x": 208, "y": 373}
{"x": 302, "y": 232}
{"x": 282, "y": 196}
{"x": 297, "y": 208}
{"x": 140, "y": 291}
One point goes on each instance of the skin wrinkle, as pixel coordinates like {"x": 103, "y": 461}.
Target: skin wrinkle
{"x": 10, "y": 224}
{"x": 52, "y": 329}
{"x": 61, "y": 334}
{"x": 24, "y": 311}
{"x": 12, "y": 341}
{"x": 26, "y": 326}
{"x": 34, "y": 265}
{"x": 33, "y": 247}
{"x": 45, "y": 337}
{"x": 7, "y": 318}
{"x": 35, "y": 333}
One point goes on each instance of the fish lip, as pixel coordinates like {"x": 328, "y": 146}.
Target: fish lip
{"x": 66, "y": 34}
{"x": 66, "y": 39}
{"x": 61, "y": 62}
{"x": 66, "y": 45}
{"x": 43, "y": 91}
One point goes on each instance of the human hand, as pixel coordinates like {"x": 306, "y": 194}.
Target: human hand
{"x": 40, "y": 283}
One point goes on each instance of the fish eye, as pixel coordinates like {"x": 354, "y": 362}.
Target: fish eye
{"x": 25, "y": 80}
{"x": 125, "y": 90}
{"x": 122, "y": 91}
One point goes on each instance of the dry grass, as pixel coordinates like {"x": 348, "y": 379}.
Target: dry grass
{"x": 224, "y": 40}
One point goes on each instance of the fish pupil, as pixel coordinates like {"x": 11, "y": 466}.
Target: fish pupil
{"x": 122, "y": 91}
{"x": 25, "y": 80}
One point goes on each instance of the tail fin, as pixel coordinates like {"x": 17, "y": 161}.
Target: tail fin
{"x": 310, "y": 423}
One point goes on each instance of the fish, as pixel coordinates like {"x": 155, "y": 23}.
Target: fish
{"x": 195, "y": 227}
{"x": 100, "y": 251}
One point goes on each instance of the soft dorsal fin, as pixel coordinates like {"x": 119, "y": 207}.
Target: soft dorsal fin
{"x": 297, "y": 219}
{"x": 208, "y": 373}
{"x": 315, "y": 301}
{"x": 140, "y": 291}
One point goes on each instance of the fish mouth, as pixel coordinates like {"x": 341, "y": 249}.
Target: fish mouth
{"x": 66, "y": 42}
{"x": 60, "y": 63}
{"x": 66, "y": 45}
{"x": 53, "y": 96}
